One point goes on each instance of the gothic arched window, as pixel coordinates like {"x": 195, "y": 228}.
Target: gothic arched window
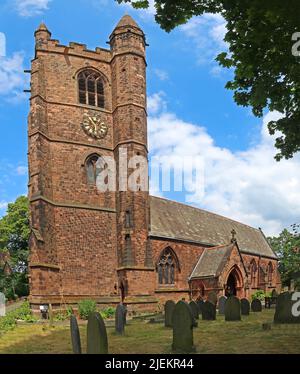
{"x": 270, "y": 272}
{"x": 91, "y": 88}
{"x": 94, "y": 165}
{"x": 253, "y": 270}
{"x": 166, "y": 267}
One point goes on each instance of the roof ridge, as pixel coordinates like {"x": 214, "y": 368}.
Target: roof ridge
{"x": 207, "y": 211}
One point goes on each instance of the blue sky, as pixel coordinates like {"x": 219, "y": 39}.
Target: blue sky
{"x": 186, "y": 98}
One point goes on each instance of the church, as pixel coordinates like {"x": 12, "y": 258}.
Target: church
{"x": 117, "y": 245}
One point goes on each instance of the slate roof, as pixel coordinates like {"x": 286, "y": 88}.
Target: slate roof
{"x": 212, "y": 262}
{"x": 173, "y": 220}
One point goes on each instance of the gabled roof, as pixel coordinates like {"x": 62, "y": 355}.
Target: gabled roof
{"x": 212, "y": 261}
{"x": 173, "y": 220}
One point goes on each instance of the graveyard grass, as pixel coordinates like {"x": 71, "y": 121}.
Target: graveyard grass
{"x": 217, "y": 336}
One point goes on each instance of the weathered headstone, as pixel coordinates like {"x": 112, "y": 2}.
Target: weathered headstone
{"x": 284, "y": 309}
{"x": 232, "y": 309}
{"x": 212, "y": 297}
{"x": 2, "y": 304}
{"x": 120, "y": 319}
{"x": 169, "y": 309}
{"x": 75, "y": 335}
{"x": 208, "y": 311}
{"x": 221, "y": 304}
{"x": 256, "y": 305}
{"x": 195, "y": 310}
{"x": 274, "y": 294}
{"x": 245, "y": 307}
{"x": 96, "y": 335}
{"x": 200, "y": 303}
{"x": 182, "y": 328}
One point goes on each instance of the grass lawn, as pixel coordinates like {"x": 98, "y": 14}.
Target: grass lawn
{"x": 218, "y": 336}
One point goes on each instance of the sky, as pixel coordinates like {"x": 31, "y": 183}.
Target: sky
{"x": 190, "y": 111}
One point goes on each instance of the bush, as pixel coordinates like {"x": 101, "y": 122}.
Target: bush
{"x": 22, "y": 313}
{"x": 260, "y": 295}
{"x": 85, "y": 307}
{"x": 108, "y": 312}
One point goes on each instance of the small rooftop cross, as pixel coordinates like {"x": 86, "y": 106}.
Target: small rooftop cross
{"x": 233, "y": 233}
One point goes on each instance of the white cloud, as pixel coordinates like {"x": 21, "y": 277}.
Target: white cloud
{"x": 161, "y": 74}
{"x": 22, "y": 170}
{"x": 3, "y": 205}
{"x": 206, "y": 34}
{"x": 29, "y": 8}
{"x": 12, "y": 77}
{"x": 248, "y": 186}
{"x": 156, "y": 103}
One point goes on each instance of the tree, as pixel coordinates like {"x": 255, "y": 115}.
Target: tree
{"x": 287, "y": 248}
{"x": 266, "y": 73}
{"x": 14, "y": 236}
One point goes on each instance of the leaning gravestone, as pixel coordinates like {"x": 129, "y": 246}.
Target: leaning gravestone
{"x": 212, "y": 297}
{"x": 75, "y": 335}
{"x": 120, "y": 319}
{"x": 182, "y": 328}
{"x": 195, "y": 310}
{"x": 2, "y": 304}
{"x": 256, "y": 305}
{"x": 233, "y": 309}
{"x": 208, "y": 311}
{"x": 169, "y": 309}
{"x": 222, "y": 301}
{"x": 245, "y": 307}
{"x": 200, "y": 305}
{"x": 284, "y": 309}
{"x": 96, "y": 335}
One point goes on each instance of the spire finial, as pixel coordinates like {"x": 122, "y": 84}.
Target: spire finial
{"x": 233, "y": 233}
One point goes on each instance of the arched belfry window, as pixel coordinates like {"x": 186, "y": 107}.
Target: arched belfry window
{"x": 91, "y": 88}
{"x": 167, "y": 266}
{"x": 94, "y": 165}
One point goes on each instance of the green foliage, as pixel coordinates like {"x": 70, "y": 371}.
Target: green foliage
{"x": 85, "y": 307}
{"x": 65, "y": 315}
{"x": 287, "y": 248}
{"x": 108, "y": 312}
{"x": 259, "y": 35}
{"x": 14, "y": 236}
{"x": 22, "y": 313}
{"x": 259, "y": 294}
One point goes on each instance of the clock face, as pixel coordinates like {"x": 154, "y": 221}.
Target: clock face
{"x": 94, "y": 126}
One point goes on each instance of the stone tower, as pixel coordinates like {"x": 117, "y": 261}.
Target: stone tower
{"x": 87, "y": 106}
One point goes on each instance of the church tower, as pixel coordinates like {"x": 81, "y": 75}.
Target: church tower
{"x": 88, "y": 107}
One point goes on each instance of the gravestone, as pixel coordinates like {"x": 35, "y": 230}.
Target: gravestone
{"x": 232, "y": 309}
{"x": 120, "y": 319}
{"x": 245, "y": 307}
{"x": 284, "y": 309}
{"x": 2, "y": 304}
{"x": 169, "y": 309}
{"x": 182, "y": 328}
{"x": 96, "y": 335}
{"x": 256, "y": 305}
{"x": 222, "y": 301}
{"x": 200, "y": 305}
{"x": 208, "y": 311}
{"x": 75, "y": 335}
{"x": 212, "y": 297}
{"x": 274, "y": 294}
{"x": 195, "y": 310}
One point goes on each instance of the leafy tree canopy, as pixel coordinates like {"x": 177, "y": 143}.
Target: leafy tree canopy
{"x": 259, "y": 35}
{"x": 14, "y": 236}
{"x": 287, "y": 248}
